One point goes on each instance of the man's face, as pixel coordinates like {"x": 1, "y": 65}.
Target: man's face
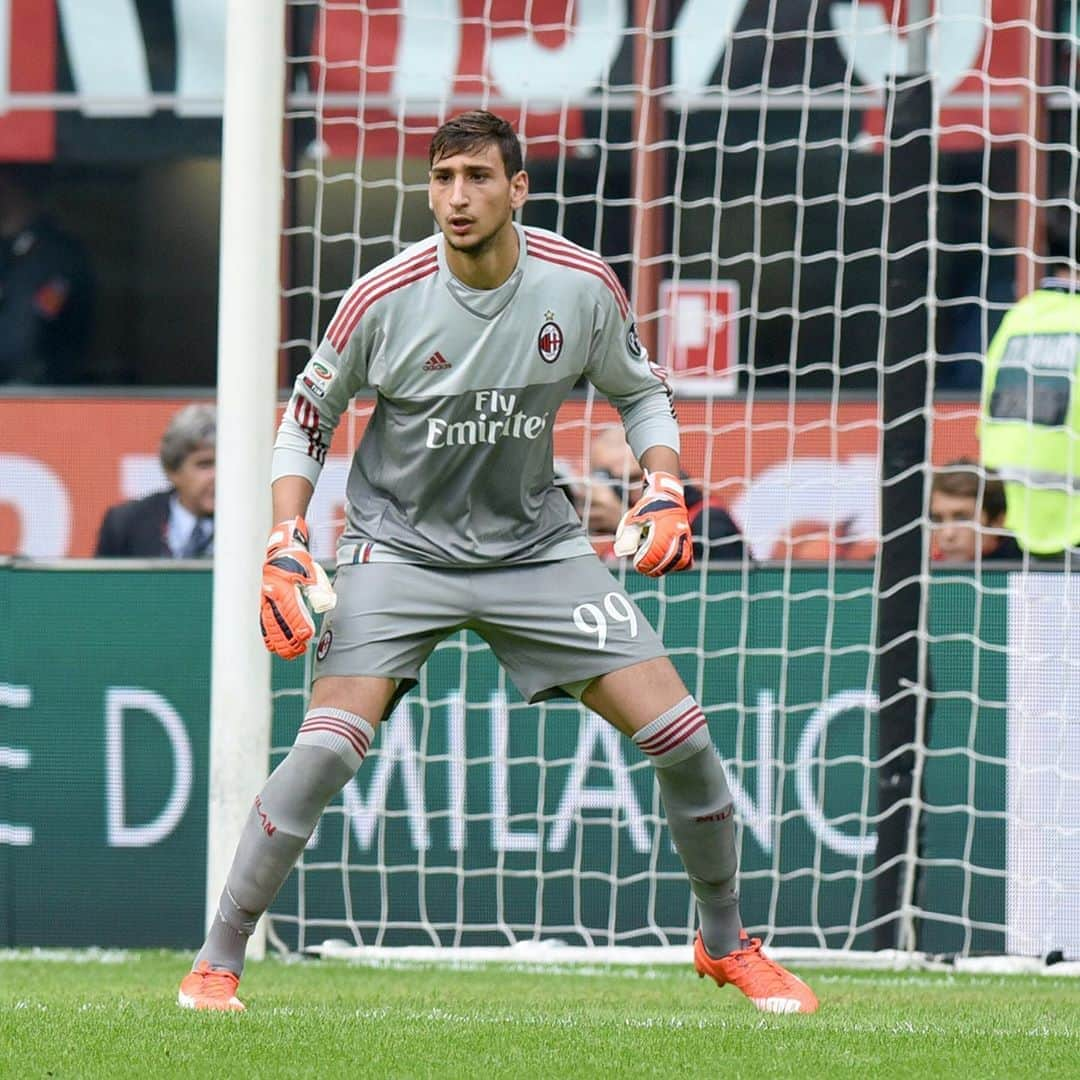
{"x": 611, "y": 456}
{"x": 194, "y": 481}
{"x": 606, "y": 508}
{"x": 955, "y": 519}
{"x": 473, "y": 199}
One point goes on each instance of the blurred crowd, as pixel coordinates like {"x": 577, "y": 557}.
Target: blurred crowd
{"x": 1022, "y": 498}
{"x": 1015, "y": 499}
{"x": 614, "y": 482}
{"x": 966, "y": 514}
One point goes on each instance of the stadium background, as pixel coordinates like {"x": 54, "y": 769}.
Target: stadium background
{"x": 140, "y": 186}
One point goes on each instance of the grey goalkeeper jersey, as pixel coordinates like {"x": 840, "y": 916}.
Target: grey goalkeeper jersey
{"x": 455, "y": 466}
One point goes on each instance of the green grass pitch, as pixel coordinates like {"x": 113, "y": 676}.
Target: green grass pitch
{"x": 324, "y": 1019}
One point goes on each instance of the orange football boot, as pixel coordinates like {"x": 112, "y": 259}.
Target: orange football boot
{"x": 210, "y": 988}
{"x": 769, "y": 986}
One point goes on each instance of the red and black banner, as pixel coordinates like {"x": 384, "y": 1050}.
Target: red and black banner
{"x": 149, "y": 73}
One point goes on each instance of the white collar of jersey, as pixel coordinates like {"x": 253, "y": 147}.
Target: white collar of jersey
{"x": 484, "y": 303}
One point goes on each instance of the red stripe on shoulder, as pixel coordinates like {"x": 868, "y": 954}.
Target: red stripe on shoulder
{"x": 560, "y": 243}
{"x": 358, "y": 287}
{"x": 559, "y": 260}
{"x": 560, "y": 246}
{"x": 357, "y": 300}
{"x": 380, "y": 281}
{"x": 370, "y": 297}
{"x": 563, "y": 253}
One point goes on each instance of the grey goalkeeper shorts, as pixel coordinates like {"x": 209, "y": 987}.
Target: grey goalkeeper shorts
{"x": 553, "y": 626}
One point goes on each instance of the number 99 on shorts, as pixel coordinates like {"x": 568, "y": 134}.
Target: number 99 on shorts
{"x": 595, "y": 619}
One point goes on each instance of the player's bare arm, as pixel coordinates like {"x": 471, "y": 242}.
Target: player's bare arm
{"x": 660, "y": 459}
{"x": 291, "y": 496}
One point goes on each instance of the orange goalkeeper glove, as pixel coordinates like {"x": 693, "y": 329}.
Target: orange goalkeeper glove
{"x": 293, "y": 586}
{"x": 656, "y": 530}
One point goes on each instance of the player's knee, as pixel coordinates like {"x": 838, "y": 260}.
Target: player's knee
{"x": 344, "y": 733}
{"x": 330, "y": 746}
{"x": 675, "y": 736}
{"x": 367, "y": 696}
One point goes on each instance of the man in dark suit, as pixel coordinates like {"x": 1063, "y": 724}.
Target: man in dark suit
{"x": 616, "y": 484}
{"x": 177, "y": 523}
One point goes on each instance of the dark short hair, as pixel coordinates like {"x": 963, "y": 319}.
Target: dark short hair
{"x": 192, "y": 428}
{"x": 473, "y": 131}
{"x": 964, "y": 479}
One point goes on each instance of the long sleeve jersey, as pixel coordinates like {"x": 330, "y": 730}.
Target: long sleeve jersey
{"x": 455, "y": 467}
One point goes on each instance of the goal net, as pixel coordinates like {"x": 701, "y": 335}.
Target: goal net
{"x": 737, "y": 164}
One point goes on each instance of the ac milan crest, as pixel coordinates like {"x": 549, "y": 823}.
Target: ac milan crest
{"x": 549, "y": 342}
{"x": 324, "y": 645}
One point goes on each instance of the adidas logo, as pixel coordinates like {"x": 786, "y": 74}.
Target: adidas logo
{"x": 437, "y": 362}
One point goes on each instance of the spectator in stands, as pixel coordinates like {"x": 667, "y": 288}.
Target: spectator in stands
{"x": 597, "y": 501}
{"x": 617, "y": 484}
{"x": 46, "y": 290}
{"x": 177, "y": 523}
{"x": 1030, "y": 430}
{"x": 967, "y": 513}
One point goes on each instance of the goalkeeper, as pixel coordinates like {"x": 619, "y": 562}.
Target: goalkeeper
{"x": 471, "y": 340}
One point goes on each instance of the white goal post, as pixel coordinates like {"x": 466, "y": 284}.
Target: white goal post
{"x": 737, "y": 165}
{"x": 248, "y": 325}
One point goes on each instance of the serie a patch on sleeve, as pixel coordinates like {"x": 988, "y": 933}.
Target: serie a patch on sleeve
{"x": 317, "y": 377}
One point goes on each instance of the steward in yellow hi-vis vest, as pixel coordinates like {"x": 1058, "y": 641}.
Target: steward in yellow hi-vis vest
{"x": 1030, "y": 430}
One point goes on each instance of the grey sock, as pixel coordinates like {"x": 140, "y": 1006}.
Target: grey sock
{"x": 701, "y": 817}
{"x": 285, "y": 814}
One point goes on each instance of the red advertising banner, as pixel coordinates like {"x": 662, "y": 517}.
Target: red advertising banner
{"x": 800, "y": 478}
{"x": 388, "y": 71}
{"x": 973, "y": 55}
{"x": 539, "y": 51}
{"x": 383, "y": 50}
{"x": 30, "y": 42}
